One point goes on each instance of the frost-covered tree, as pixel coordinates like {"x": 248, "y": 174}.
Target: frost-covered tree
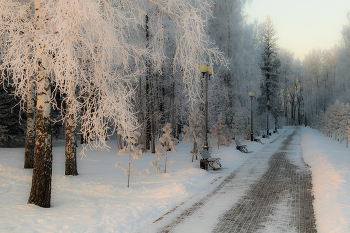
{"x": 63, "y": 45}
{"x": 95, "y": 47}
{"x": 194, "y": 131}
{"x": 269, "y": 66}
{"x": 134, "y": 149}
{"x": 221, "y": 133}
{"x": 239, "y": 124}
{"x": 241, "y": 44}
{"x": 344, "y": 123}
{"x": 166, "y": 143}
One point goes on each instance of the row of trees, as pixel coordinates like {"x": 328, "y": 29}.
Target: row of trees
{"x": 325, "y": 78}
{"x": 106, "y": 59}
{"x": 133, "y": 67}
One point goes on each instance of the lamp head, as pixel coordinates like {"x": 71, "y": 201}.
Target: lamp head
{"x": 210, "y": 70}
{"x": 203, "y": 68}
{"x": 251, "y": 94}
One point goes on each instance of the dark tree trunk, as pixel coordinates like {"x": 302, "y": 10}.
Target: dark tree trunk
{"x": 30, "y": 134}
{"x": 147, "y": 120}
{"x": 70, "y": 145}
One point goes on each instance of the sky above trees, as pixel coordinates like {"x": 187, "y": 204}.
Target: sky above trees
{"x": 303, "y": 24}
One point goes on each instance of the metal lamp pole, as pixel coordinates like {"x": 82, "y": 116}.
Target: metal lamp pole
{"x": 267, "y": 118}
{"x": 276, "y": 119}
{"x": 251, "y": 94}
{"x": 204, "y": 70}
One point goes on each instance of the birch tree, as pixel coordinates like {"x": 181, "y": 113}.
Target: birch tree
{"x": 69, "y": 48}
{"x": 94, "y": 47}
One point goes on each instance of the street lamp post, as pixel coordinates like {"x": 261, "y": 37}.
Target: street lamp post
{"x": 267, "y": 118}
{"x": 205, "y": 69}
{"x": 276, "y": 116}
{"x": 251, "y": 94}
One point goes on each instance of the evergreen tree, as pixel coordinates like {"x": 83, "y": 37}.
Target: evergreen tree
{"x": 270, "y": 64}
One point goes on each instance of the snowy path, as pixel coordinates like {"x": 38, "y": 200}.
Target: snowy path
{"x": 270, "y": 192}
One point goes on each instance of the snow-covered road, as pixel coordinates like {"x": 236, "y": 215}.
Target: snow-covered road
{"x": 270, "y": 192}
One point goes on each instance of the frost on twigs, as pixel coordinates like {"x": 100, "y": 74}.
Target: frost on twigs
{"x": 221, "y": 133}
{"x": 84, "y": 46}
{"x": 134, "y": 150}
{"x": 166, "y": 143}
{"x": 194, "y": 132}
{"x": 238, "y": 123}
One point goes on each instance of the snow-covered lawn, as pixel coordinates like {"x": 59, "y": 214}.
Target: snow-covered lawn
{"x": 98, "y": 200}
{"x": 330, "y": 166}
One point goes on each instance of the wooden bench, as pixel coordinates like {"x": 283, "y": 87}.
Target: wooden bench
{"x": 208, "y": 161}
{"x": 257, "y": 140}
{"x": 240, "y": 147}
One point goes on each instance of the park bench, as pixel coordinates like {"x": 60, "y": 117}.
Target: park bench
{"x": 257, "y": 139}
{"x": 240, "y": 147}
{"x": 208, "y": 161}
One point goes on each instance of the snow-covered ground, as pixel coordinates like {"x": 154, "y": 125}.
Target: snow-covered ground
{"x": 98, "y": 200}
{"x": 330, "y": 166}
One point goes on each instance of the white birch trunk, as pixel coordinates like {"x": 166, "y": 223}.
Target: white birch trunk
{"x": 40, "y": 193}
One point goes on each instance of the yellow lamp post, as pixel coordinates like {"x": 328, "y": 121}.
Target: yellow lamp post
{"x": 205, "y": 69}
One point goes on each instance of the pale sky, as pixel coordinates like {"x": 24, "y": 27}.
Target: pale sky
{"x": 303, "y": 24}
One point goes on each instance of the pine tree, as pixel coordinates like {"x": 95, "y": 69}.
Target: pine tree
{"x": 270, "y": 64}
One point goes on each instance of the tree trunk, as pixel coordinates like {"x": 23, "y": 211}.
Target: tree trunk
{"x": 40, "y": 193}
{"x": 70, "y": 145}
{"x": 30, "y": 134}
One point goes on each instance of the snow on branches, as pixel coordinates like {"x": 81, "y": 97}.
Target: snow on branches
{"x": 336, "y": 120}
{"x": 134, "y": 150}
{"x": 221, "y": 133}
{"x": 94, "y": 48}
{"x": 167, "y": 143}
{"x": 194, "y": 132}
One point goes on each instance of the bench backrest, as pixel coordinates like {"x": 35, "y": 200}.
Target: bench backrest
{"x": 237, "y": 142}
{"x": 205, "y": 154}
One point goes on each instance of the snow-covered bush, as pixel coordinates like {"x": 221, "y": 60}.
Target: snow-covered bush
{"x": 335, "y": 121}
